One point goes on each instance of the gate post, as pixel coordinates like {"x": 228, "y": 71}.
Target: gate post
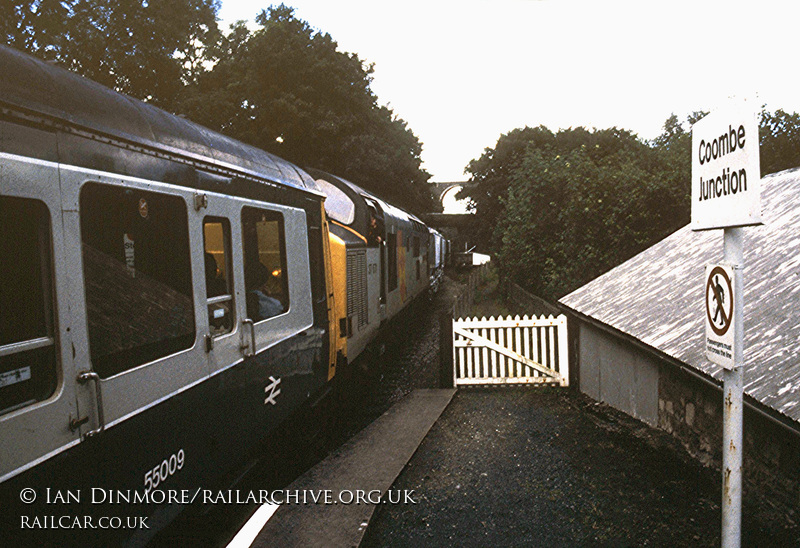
{"x": 563, "y": 349}
{"x": 446, "y": 375}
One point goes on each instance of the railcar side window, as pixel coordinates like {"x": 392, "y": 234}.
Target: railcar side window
{"x": 217, "y": 250}
{"x": 27, "y": 342}
{"x": 138, "y": 276}
{"x": 264, "y": 263}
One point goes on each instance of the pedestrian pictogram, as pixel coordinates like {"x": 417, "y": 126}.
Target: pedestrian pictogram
{"x": 720, "y": 314}
{"x": 719, "y": 304}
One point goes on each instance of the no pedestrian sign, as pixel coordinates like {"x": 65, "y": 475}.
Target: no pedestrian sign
{"x": 720, "y": 330}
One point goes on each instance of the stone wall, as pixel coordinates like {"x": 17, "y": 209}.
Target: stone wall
{"x": 689, "y": 406}
{"x": 691, "y": 410}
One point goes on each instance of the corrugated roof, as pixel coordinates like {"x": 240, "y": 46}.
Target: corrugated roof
{"x": 658, "y": 296}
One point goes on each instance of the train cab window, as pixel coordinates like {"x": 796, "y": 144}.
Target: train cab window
{"x": 338, "y": 205}
{"x": 265, "y": 276}
{"x": 375, "y": 227}
{"x": 27, "y": 341}
{"x": 217, "y": 256}
{"x": 415, "y": 246}
{"x": 138, "y": 278}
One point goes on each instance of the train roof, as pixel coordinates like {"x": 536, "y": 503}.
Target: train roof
{"x": 40, "y": 92}
{"x": 353, "y": 189}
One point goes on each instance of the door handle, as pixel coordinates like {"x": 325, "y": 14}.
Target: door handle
{"x": 249, "y": 348}
{"x": 83, "y": 378}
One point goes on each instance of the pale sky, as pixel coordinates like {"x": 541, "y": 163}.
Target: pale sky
{"x": 461, "y": 73}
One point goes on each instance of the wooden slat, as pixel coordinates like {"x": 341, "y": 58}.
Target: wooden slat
{"x": 485, "y": 358}
{"x": 470, "y": 373}
{"x": 526, "y": 341}
{"x": 508, "y": 380}
{"x": 501, "y": 358}
{"x": 461, "y": 355}
{"x": 506, "y": 353}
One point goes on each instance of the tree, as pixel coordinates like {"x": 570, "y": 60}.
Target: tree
{"x": 779, "y": 136}
{"x": 287, "y": 89}
{"x": 490, "y": 176}
{"x": 35, "y": 26}
{"x": 147, "y": 49}
{"x": 579, "y": 206}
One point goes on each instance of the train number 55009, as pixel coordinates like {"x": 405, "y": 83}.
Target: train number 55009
{"x": 159, "y": 474}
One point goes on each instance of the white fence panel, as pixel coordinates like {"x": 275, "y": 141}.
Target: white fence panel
{"x": 510, "y": 351}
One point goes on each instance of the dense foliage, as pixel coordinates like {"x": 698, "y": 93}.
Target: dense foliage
{"x": 146, "y": 49}
{"x": 284, "y": 87}
{"x": 287, "y": 89}
{"x": 559, "y": 209}
{"x": 779, "y": 134}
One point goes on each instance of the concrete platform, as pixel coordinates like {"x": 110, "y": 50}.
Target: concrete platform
{"x": 370, "y": 461}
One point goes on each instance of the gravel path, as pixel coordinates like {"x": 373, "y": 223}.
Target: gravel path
{"x": 550, "y": 467}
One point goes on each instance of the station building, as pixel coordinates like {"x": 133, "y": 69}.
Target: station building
{"x": 637, "y": 335}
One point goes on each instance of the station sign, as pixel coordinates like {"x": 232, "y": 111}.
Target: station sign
{"x": 720, "y": 314}
{"x": 726, "y": 171}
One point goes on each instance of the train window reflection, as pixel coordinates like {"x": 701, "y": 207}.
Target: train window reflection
{"x": 27, "y": 343}
{"x": 338, "y": 205}
{"x": 216, "y": 248}
{"x": 137, "y": 273}
{"x": 264, "y": 263}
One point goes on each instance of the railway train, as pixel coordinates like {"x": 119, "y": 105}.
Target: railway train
{"x": 391, "y": 257}
{"x": 170, "y": 296}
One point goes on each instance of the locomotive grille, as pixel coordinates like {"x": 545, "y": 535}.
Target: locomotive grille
{"x": 357, "y": 286}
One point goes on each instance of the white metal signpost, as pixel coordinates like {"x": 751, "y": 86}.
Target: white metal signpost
{"x": 726, "y": 193}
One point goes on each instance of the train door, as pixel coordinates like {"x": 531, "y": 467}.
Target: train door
{"x": 38, "y": 407}
{"x": 402, "y": 248}
{"x": 380, "y": 229}
{"x": 391, "y": 269}
{"x": 276, "y": 274}
{"x": 218, "y": 220}
{"x": 132, "y": 286}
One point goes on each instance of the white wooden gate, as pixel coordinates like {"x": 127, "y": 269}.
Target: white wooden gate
{"x": 510, "y": 351}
